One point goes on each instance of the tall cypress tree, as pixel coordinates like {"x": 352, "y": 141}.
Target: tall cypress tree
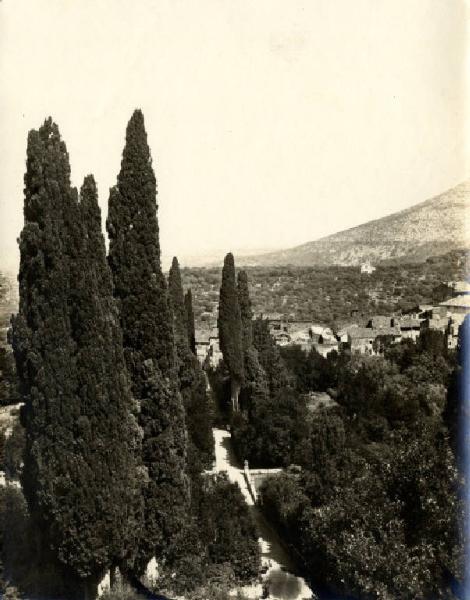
{"x": 42, "y": 338}
{"x": 188, "y": 302}
{"x": 134, "y": 257}
{"x": 112, "y": 444}
{"x": 80, "y": 476}
{"x": 180, "y": 327}
{"x": 146, "y": 320}
{"x": 230, "y": 328}
{"x": 192, "y": 378}
{"x": 175, "y": 288}
{"x": 255, "y": 388}
{"x": 246, "y": 313}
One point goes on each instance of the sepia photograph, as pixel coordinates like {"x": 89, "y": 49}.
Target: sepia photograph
{"x": 234, "y": 299}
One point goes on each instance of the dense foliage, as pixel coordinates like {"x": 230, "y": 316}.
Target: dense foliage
{"x": 191, "y": 377}
{"x": 270, "y": 358}
{"x": 376, "y": 509}
{"x": 328, "y": 295}
{"x": 230, "y": 328}
{"x": 8, "y": 381}
{"x": 311, "y": 370}
{"x": 188, "y": 303}
{"x": 80, "y": 476}
{"x": 271, "y": 434}
{"x": 371, "y": 498}
{"x": 104, "y": 358}
{"x": 219, "y": 549}
{"x": 148, "y": 337}
{"x": 255, "y": 385}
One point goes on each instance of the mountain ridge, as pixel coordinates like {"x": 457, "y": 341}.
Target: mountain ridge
{"x": 429, "y": 228}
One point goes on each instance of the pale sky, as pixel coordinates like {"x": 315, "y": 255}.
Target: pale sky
{"x": 271, "y": 123}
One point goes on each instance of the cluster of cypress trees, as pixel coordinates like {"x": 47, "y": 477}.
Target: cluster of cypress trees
{"x": 104, "y": 352}
{"x": 248, "y": 382}
{"x": 191, "y": 376}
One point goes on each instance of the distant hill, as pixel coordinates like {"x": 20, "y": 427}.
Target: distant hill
{"x": 430, "y": 228}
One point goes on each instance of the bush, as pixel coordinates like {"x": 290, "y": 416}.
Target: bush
{"x": 271, "y": 437}
{"x": 389, "y": 526}
{"x": 228, "y": 530}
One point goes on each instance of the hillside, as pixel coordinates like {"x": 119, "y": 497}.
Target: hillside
{"x": 328, "y": 294}
{"x": 427, "y": 229}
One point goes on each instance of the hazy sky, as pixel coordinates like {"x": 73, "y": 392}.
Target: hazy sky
{"x": 270, "y": 122}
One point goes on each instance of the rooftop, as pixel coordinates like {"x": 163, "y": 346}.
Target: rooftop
{"x": 320, "y": 330}
{"x": 380, "y": 321}
{"x": 457, "y": 302}
{"x": 346, "y": 329}
{"x": 369, "y": 333}
{"x": 407, "y": 322}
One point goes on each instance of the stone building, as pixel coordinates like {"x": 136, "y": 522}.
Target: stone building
{"x": 367, "y": 268}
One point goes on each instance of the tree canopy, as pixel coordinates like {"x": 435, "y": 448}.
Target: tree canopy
{"x": 148, "y": 337}
{"x": 80, "y": 473}
{"x": 230, "y": 327}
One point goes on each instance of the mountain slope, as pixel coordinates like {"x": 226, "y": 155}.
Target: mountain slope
{"x": 427, "y": 229}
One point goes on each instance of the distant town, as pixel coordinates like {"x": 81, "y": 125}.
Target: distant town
{"x": 364, "y": 332}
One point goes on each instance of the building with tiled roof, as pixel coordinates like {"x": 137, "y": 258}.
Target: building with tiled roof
{"x": 370, "y": 332}
{"x": 202, "y": 345}
{"x": 418, "y": 311}
{"x": 361, "y": 339}
{"x": 436, "y": 324}
{"x": 342, "y": 334}
{"x": 409, "y": 326}
{"x": 380, "y": 322}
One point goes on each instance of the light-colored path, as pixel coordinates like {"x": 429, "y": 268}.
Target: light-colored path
{"x": 225, "y": 461}
{"x": 279, "y": 578}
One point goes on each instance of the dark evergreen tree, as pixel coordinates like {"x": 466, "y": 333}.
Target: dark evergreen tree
{"x": 80, "y": 477}
{"x": 270, "y": 357}
{"x": 255, "y": 388}
{"x": 192, "y": 378}
{"x": 175, "y": 288}
{"x": 42, "y": 338}
{"x": 184, "y": 355}
{"x": 457, "y": 410}
{"x": 109, "y": 436}
{"x": 147, "y": 325}
{"x": 246, "y": 312}
{"x": 188, "y": 302}
{"x": 134, "y": 256}
{"x": 230, "y": 329}
{"x": 8, "y": 379}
